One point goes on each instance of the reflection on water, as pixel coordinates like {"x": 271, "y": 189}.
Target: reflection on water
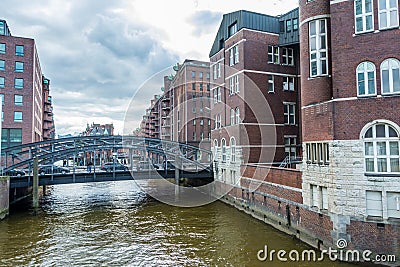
{"x": 113, "y": 224}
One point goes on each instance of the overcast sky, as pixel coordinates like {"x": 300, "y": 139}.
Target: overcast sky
{"x": 97, "y": 53}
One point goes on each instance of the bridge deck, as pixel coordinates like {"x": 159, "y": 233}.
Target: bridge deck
{"x": 69, "y": 178}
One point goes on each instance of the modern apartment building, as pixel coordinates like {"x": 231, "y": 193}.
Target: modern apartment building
{"x": 27, "y": 116}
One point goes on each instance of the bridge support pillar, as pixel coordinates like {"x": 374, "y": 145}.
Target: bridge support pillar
{"x": 44, "y": 190}
{"x": 35, "y": 185}
{"x": 4, "y": 196}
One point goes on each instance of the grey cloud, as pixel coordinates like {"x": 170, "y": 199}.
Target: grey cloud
{"x": 205, "y": 21}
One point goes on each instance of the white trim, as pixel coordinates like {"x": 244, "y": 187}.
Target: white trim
{"x": 263, "y": 72}
{"x": 324, "y": 16}
{"x": 261, "y": 124}
{"x": 333, "y": 2}
{"x": 333, "y": 100}
{"x": 250, "y": 30}
{"x": 380, "y": 121}
{"x": 235, "y": 44}
{"x": 216, "y": 62}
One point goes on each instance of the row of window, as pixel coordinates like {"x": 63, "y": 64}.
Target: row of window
{"x": 201, "y": 86}
{"x": 232, "y": 146}
{"x": 234, "y": 87}
{"x": 280, "y": 55}
{"x": 388, "y": 15}
{"x": 18, "y": 83}
{"x": 317, "y": 153}
{"x": 18, "y": 67}
{"x": 11, "y": 137}
{"x": 200, "y": 75}
{"x": 287, "y": 85}
{"x": 19, "y": 49}
{"x": 18, "y": 100}
{"x": 319, "y": 197}
{"x": 201, "y": 122}
{"x": 201, "y": 136}
{"x": 390, "y": 77}
{"x": 375, "y": 204}
{"x": 17, "y": 116}
{"x": 289, "y": 25}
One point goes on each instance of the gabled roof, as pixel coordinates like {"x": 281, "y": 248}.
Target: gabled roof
{"x": 244, "y": 19}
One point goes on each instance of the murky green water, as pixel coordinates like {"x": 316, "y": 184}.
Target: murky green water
{"x": 112, "y": 224}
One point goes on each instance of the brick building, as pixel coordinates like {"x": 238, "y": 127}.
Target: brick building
{"x": 349, "y": 70}
{"x": 255, "y": 87}
{"x": 27, "y": 116}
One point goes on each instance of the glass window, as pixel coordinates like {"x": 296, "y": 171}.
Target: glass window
{"x": 193, "y": 74}
{"x": 364, "y": 17}
{"x": 208, "y": 75}
{"x": 18, "y": 116}
{"x": 289, "y": 25}
{"x": 19, "y": 66}
{"x": 2, "y": 48}
{"x": 193, "y": 86}
{"x": 295, "y": 24}
{"x": 201, "y": 87}
{"x": 233, "y": 149}
{"x": 234, "y": 55}
{"x": 231, "y": 86}
{"x": 381, "y": 149}
{"x": 366, "y": 79}
{"x": 19, "y": 83}
{"x": 388, "y": 14}
{"x": 201, "y": 75}
{"x": 318, "y": 48}
{"x": 19, "y": 50}
{"x": 11, "y": 137}
{"x": 223, "y": 146}
{"x": 390, "y": 76}
{"x": 232, "y": 116}
{"x": 18, "y": 100}
{"x": 2, "y": 65}
{"x": 237, "y": 113}
{"x": 271, "y": 84}
{"x": 237, "y": 88}
{"x": 232, "y": 29}
{"x": 289, "y": 113}
{"x": 2, "y": 99}
{"x": 2, "y": 81}
{"x": 288, "y": 83}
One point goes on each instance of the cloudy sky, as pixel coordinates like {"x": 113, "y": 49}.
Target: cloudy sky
{"x": 97, "y": 53}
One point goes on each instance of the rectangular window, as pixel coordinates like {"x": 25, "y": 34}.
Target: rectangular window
{"x": 289, "y": 113}
{"x": 295, "y": 24}
{"x": 201, "y": 75}
{"x": 18, "y": 100}
{"x": 324, "y": 197}
{"x": 193, "y": 86}
{"x": 364, "y": 17}
{"x": 193, "y": 74}
{"x": 232, "y": 29}
{"x": 219, "y": 94}
{"x": 11, "y": 137}
{"x": 273, "y": 54}
{"x": 231, "y": 86}
{"x": 201, "y": 87}
{"x": 290, "y": 146}
{"x": 289, "y": 25}
{"x": 318, "y": 48}
{"x": 288, "y": 83}
{"x": 17, "y": 116}
{"x": 237, "y": 88}
{"x": 194, "y": 122}
{"x": 19, "y": 50}
{"x": 234, "y": 55}
{"x": 19, "y": 66}
{"x": 314, "y": 196}
{"x": 215, "y": 72}
{"x": 2, "y": 48}
{"x": 208, "y": 87}
{"x": 374, "y": 203}
{"x": 308, "y": 151}
{"x": 2, "y": 82}
{"x": 208, "y": 75}
{"x": 19, "y": 83}
{"x": 271, "y": 88}
{"x": 2, "y": 99}
{"x": 201, "y": 122}
{"x": 219, "y": 70}
{"x": 2, "y": 65}
{"x": 215, "y": 93}
{"x": 194, "y": 136}
{"x": 388, "y": 14}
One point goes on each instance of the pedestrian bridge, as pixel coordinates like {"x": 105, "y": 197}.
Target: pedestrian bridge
{"x": 143, "y": 158}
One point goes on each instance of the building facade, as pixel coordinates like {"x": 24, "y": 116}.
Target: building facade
{"x": 255, "y": 88}
{"x": 27, "y": 116}
{"x": 49, "y": 131}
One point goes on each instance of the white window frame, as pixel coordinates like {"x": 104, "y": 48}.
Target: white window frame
{"x": 215, "y": 71}
{"x": 388, "y": 12}
{"x": 363, "y": 15}
{"x": 391, "y": 62}
{"x": 219, "y": 69}
{"x": 271, "y": 83}
{"x": 288, "y": 114}
{"x": 288, "y": 83}
{"x": 223, "y": 148}
{"x": 363, "y": 69}
{"x": 219, "y": 94}
{"x": 237, "y": 115}
{"x": 232, "y": 116}
{"x": 317, "y": 54}
{"x": 237, "y": 85}
{"x": 231, "y": 86}
{"x": 232, "y": 144}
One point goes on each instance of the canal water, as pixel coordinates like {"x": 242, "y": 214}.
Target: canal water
{"x": 115, "y": 224}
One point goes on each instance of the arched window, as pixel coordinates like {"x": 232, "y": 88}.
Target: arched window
{"x": 381, "y": 149}
{"x": 237, "y": 115}
{"x": 390, "y": 76}
{"x": 223, "y": 147}
{"x": 232, "y": 116}
{"x": 366, "y": 79}
{"x": 233, "y": 149}
{"x": 215, "y": 148}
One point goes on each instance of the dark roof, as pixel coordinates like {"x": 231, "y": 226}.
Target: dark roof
{"x": 244, "y": 19}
